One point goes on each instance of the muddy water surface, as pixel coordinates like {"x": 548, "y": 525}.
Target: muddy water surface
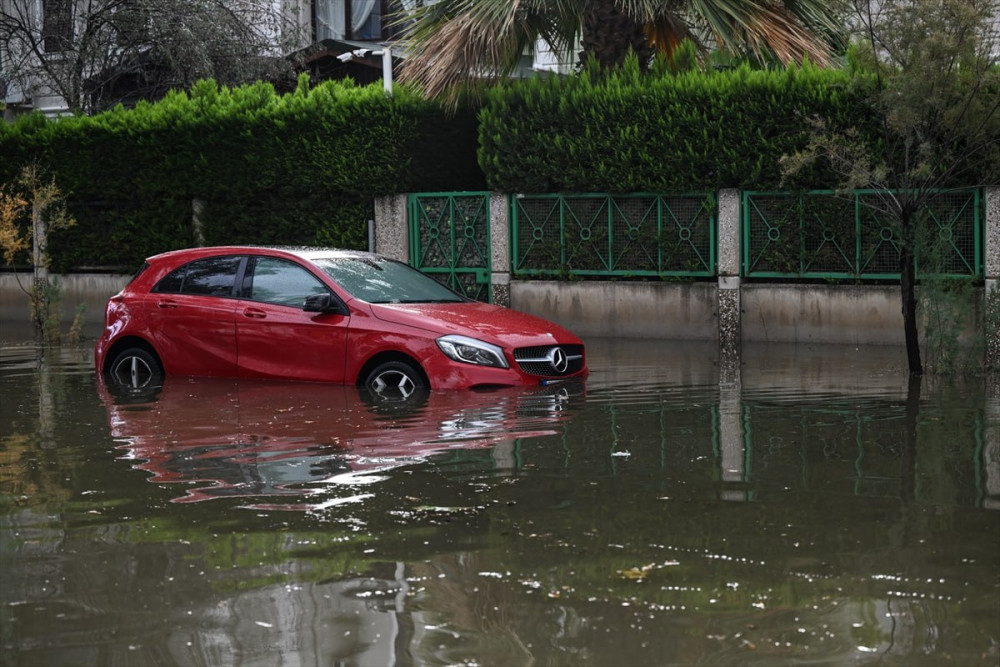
{"x": 812, "y": 508}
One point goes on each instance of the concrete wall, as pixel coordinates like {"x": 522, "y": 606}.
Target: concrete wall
{"x": 622, "y": 309}
{"x": 773, "y": 313}
{"x": 849, "y": 314}
{"x": 91, "y": 291}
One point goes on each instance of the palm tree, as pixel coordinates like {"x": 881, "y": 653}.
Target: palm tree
{"x": 452, "y": 42}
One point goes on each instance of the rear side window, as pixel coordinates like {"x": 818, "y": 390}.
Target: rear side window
{"x": 212, "y": 276}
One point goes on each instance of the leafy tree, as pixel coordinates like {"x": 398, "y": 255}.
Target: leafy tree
{"x": 935, "y": 92}
{"x": 96, "y": 54}
{"x": 41, "y": 201}
{"x": 453, "y": 42}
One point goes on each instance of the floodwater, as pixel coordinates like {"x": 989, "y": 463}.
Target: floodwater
{"x": 810, "y": 509}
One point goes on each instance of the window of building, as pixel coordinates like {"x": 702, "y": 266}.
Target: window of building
{"x": 361, "y": 20}
{"x": 57, "y": 25}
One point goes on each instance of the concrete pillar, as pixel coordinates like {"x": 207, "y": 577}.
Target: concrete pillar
{"x": 500, "y": 250}
{"x": 992, "y": 290}
{"x": 728, "y": 297}
{"x": 732, "y": 451}
{"x": 991, "y": 449}
{"x": 392, "y": 230}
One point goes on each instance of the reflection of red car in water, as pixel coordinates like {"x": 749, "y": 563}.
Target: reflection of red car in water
{"x": 240, "y": 438}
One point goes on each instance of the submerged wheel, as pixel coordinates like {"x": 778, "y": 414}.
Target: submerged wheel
{"x": 394, "y": 381}
{"x": 135, "y": 368}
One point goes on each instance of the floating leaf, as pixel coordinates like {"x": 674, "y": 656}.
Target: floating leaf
{"x": 637, "y": 573}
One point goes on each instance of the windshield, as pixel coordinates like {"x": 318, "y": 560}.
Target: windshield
{"x": 378, "y": 280}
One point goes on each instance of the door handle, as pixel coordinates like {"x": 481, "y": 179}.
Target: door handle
{"x": 255, "y": 313}
{"x": 166, "y": 303}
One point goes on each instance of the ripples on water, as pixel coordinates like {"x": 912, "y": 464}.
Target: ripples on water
{"x": 816, "y": 509}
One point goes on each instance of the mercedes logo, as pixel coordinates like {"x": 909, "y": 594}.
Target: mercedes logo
{"x": 558, "y": 360}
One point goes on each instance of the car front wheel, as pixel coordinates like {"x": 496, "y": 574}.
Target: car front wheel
{"x": 394, "y": 381}
{"x": 135, "y": 368}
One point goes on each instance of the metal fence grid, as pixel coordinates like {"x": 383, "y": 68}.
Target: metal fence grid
{"x": 450, "y": 240}
{"x": 614, "y": 235}
{"x": 828, "y": 235}
{"x": 813, "y": 235}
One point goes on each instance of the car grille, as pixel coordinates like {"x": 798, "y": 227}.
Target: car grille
{"x": 543, "y": 359}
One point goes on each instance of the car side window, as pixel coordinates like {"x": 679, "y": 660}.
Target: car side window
{"x": 212, "y": 276}
{"x": 283, "y": 283}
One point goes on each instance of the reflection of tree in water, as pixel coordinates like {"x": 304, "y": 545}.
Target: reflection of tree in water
{"x": 37, "y": 406}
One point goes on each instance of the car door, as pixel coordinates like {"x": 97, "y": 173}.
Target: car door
{"x": 276, "y": 338}
{"x": 191, "y": 317}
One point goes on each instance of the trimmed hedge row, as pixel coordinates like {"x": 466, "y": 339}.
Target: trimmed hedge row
{"x": 693, "y": 131}
{"x": 301, "y": 168}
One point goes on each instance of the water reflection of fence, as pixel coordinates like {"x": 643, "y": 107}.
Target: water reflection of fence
{"x": 869, "y": 447}
{"x": 756, "y": 446}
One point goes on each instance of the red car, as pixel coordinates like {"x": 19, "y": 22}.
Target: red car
{"x": 321, "y": 315}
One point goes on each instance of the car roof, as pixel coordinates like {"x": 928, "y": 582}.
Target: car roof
{"x": 304, "y": 252}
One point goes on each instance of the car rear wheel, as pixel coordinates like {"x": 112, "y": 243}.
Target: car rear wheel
{"x": 394, "y": 381}
{"x": 135, "y": 368}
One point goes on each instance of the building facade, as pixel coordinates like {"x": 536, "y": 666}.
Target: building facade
{"x": 44, "y": 58}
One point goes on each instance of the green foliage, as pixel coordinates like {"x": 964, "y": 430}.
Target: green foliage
{"x": 934, "y": 92}
{"x": 621, "y": 131}
{"x": 32, "y": 208}
{"x": 935, "y": 96}
{"x": 684, "y": 58}
{"x": 304, "y": 167}
{"x": 297, "y": 168}
{"x": 946, "y": 307}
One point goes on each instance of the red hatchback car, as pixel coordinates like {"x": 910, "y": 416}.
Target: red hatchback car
{"x": 321, "y": 315}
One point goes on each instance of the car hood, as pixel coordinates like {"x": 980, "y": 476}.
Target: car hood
{"x": 501, "y": 326}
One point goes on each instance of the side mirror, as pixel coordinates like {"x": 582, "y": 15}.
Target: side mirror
{"x": 323, "y": 303}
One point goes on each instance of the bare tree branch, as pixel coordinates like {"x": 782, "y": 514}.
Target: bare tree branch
{"x": 120, "y": 50}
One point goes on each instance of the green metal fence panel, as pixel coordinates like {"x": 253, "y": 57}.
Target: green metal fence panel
{"x": 581, "y": 235}
{"x": 450, "y": 239}
{"x": 829, "y": 235}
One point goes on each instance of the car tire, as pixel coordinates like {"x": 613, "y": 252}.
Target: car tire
{"x": 394, "y": 381}
{"x": 135, "y": 368}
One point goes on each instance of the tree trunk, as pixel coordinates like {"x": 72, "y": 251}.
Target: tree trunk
{"x": 609, "y": 34}
{"x": 39, "y": 259}
{"x": 908, "y": 292}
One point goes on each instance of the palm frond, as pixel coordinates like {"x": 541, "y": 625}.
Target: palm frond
{"x": 452, "y": 43}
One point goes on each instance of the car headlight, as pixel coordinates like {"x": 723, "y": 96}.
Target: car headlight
{"x": 472, "y": 351}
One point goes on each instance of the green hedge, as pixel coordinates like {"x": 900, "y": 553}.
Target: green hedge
{"x": 305, "y": 167}
{"x": 268, "y": 168}
{"x": 694, "y": 131}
